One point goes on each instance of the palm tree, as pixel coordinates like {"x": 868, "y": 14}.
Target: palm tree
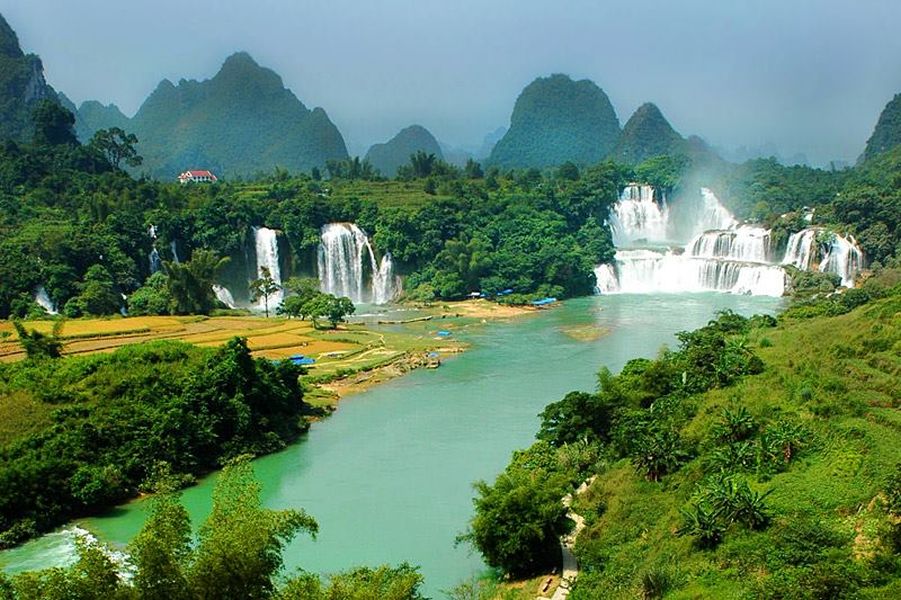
{"x": 39, "y": 345}
{"x": 191, "y": 283}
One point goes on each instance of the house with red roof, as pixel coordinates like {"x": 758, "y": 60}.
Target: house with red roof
{"x": 197, "y": 177}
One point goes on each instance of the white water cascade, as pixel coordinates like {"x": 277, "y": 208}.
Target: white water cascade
{"x": 744, "y": 243}
{"x": 224, "y": 296}
{"x": 43, "y": 299}
{"x": 638, "y": 216}
{"x": 844, "y": 258}
{"x": 173, "y": 247}
{"x": 341, "y": 265}
{"x": 723, "y": 256}
{"x": 825, "y": 251}
{"x": 266, "y": 244}
{"x": 799, "y": 251}
{"x": 156, "y": 262}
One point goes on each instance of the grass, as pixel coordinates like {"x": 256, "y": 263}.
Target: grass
{"x": 385, "y": 193}
{"x": 841, "y": 378}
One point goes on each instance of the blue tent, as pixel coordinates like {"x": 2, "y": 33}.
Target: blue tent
{"x": 444, "y": 333}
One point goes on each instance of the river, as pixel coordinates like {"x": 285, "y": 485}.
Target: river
{"x": 388, "y": 476}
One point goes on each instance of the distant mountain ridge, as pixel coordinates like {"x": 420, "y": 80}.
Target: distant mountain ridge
{"x": 887, "y": 133}
{"x": 241, "y": 121}
{"x": 387, "y": 157}
{"x": 555, "y": 120}
{"x": 22, "y": 86}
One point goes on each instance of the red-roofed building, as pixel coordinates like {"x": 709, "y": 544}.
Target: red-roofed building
{"x": 197, "y": 177}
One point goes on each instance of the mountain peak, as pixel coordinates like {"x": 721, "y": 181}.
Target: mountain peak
{"x": 388, "y": 157}
{"x": 556, "y": 119}
{"x": 647, "y": 133}
{"x": 9, "y": 41}
{"x": 887, "y": 133}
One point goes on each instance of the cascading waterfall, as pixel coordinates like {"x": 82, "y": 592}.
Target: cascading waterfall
{"x": 43, "y": 299}
{"x": 723, "y": 256}
{"x": 638, "y": 216}
{"x": 156, "y": 263}
{"x": 713, "y": 214}
{"x": 224, "y": 296}
{"x": 173, "y": 247}
{"x": 799, "y": 250}
{"x": 837, "y": 255}
{"x": 744, "y": 244}
{"x": 266, "y": 244}
{"x": 844, "y": 258}
{"x": 341, "y": 268}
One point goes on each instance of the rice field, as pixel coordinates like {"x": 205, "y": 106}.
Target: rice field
{"x": 349, "y": 348}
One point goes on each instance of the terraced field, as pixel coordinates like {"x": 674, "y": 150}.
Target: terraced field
{"x": 349, "y": 349}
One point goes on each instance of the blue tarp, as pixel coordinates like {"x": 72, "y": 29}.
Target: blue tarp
{"x": 300, "y": 359}
{"x": 444, "y": 333}
{"x": 543, "y": 301}
{"x": 505, "y": 292}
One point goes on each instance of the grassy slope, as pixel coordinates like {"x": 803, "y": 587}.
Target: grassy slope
{"x": 841, "y": 377}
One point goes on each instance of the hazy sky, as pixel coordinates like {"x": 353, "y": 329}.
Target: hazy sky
{"x": 806, "y": 75}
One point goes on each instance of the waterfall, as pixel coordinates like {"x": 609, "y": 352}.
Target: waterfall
{"x": 43, "y": 298}
{"x": 384, "y": 283}
{"x": 173, "y": 247}
{"x": 723, "y": 256}
{"x": 654, "y": 271}
{"x": 839, "y": 255}
{"x": 224, "y": 296}
{"x": 844, "y": 258}
{"x": 606, "y": 279}
{"x": 266, "y": 244}
{"x": 638, "y": 216}
{"x": 341, "y": 265}
{"x": 799, "y": 250}
{"x": 156, "y": 262}
{"x": 713, "y": 214}
{"x": 744, "y": 244}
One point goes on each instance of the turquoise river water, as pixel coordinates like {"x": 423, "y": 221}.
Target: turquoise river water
{"x": 388, "y": 476}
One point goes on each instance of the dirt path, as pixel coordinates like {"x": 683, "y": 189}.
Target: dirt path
{"x": 570, "y": 564}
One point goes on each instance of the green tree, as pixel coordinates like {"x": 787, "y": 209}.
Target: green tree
{"x": 331, "y": 308}
{"x": 191, "y": 283}
{"x": 152, "y": 298}
{"x": 116, "y": 146}
{"x": 519, "y": 520}
{"x": 422, "y": 163}
{"x": 239, "y": 553}
{"x": 264, "y": 287}
{"x": 39, "y": 345}
{"x": 54, "y": 125}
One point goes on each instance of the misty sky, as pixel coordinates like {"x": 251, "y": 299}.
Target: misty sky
{"x": 806, "y": 75}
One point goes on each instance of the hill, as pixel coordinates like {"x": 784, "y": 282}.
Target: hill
{"x": 647, "y": 133}
{"x": 395, "y": 152}
{"x": 240, "y": 122}
{"x": 556, "y": 120}
{"x": 22, "y": 86}
{"x": 887, "y": 133}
